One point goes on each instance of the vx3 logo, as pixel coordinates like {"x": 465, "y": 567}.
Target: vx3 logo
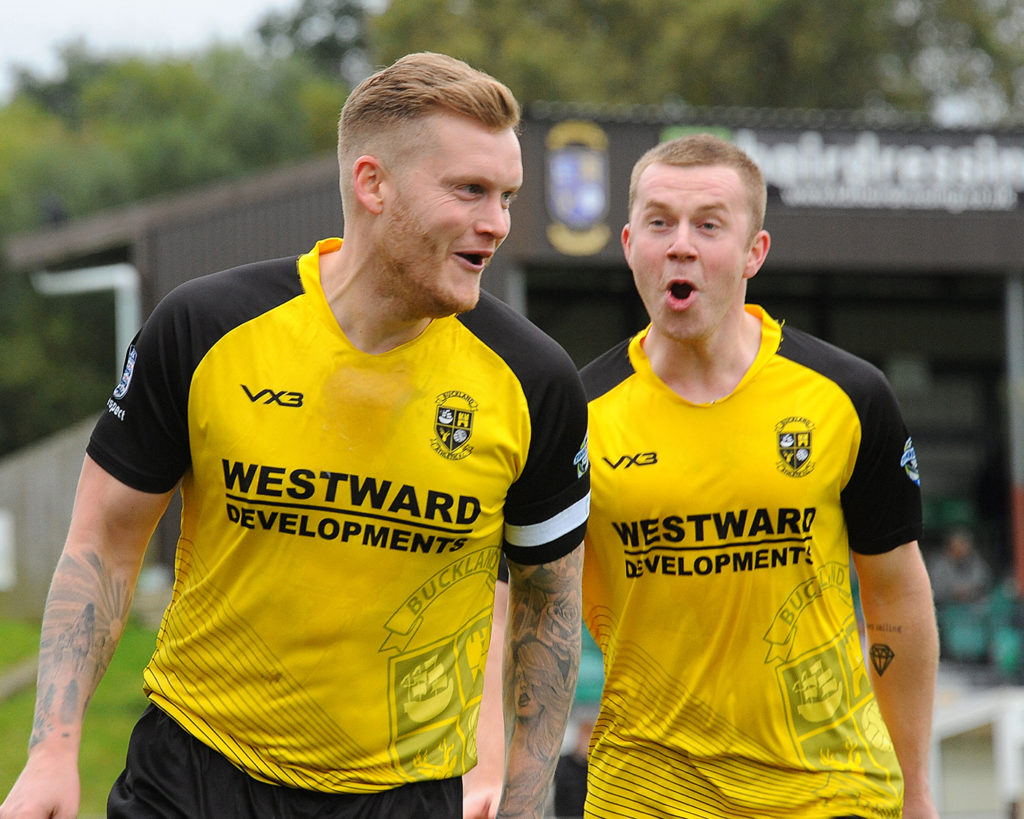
{"x": 284, "y": 398}
{"x": 626, "y": 461}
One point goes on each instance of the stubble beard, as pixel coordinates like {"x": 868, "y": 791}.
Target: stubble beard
{"x": 410, "y": 271}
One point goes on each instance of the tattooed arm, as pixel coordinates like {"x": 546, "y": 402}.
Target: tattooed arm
{"x": 903, "y": 648}
{"x": 90, "y": 596}
{"x": 541, "y": 665}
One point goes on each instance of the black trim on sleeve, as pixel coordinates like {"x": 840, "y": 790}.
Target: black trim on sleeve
{"x": 881, "y": 503}
{"x": 550, "y": 481}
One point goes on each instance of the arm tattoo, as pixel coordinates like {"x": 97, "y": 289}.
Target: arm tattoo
{"x": 881, "y": 656}
{"x": 85, "y": 613}
{"x": 542, "y": 668}
{"x": 890, "y": 628}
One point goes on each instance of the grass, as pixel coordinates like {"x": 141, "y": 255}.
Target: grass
{"x": 115, "y": 707}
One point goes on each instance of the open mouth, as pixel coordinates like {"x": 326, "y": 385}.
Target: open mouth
{"x": 475, "y": 259}
{"x": 681, "y": 290}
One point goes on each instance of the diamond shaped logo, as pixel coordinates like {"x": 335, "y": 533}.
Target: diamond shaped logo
{"x": 881, "y": 656}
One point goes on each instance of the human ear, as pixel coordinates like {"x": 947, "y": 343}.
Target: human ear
{"x": 757, "y": 254}
{"x": 367, "y": 183}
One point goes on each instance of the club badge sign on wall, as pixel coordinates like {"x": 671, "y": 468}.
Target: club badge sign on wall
{"x": 577, "y": 187}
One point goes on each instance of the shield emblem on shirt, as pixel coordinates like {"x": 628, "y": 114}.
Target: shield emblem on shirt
{"x": 453, "y": 424}
{"x": 795, "y": 448}
{"x": 453, "y": 427}
{"x": 793, "y": 439}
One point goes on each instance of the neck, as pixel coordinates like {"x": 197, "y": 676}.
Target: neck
{"x": 705, "y": 370}
{"x": 369, "y": 320}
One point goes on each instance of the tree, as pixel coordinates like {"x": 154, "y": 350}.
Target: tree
{"x": 62, "y": 97}
{"x": 113, "y": 131}
{"x": 56, "y": 360}
{"x": 914, "y": 56}
{"x": 107, "y": 133}
{"x": 330, "y": 33}
{"x": 964, "y": 56}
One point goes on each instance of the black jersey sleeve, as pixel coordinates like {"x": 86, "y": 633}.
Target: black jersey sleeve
{"x": 142, "y": 439}
{"x": 607, "y": 371}
{"x": 554, "y": 485}
{"x": 882, "y": 499}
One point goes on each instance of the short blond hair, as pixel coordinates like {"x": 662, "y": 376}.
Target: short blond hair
{"x": 706, "y": 150}
{"x": 411, "y": 89}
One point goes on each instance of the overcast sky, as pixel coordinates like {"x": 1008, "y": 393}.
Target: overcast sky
{"x": 31, "y": 31}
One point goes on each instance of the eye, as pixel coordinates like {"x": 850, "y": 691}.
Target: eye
{"x": 508, "y": 198}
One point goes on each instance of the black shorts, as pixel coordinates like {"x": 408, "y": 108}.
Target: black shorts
{"x": 169, "y": 773}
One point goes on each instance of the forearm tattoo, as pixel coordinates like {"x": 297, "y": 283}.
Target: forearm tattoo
{"x": 85, "y": 613}
{"x": 540, "y": 672}
{"x": 882, "y": 654}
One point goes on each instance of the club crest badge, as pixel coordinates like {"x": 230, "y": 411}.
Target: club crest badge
{"x": 909, "y": 462}
{"x": 126, "y": 377}
{"x": 453, "y": 425}
{"x": 793, "y": 440}
{"x": 577, "y": 187}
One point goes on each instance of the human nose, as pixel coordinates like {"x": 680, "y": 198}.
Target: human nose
{"x": 682, "y": 246}
{"x": 494, "y": 218}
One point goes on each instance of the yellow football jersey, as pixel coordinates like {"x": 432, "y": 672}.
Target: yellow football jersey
{"x": 343, "y": 518}
{"x": 717, "y": 584}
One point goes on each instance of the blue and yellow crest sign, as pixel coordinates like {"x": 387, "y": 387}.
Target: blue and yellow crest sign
{"x": 577, "y": 187}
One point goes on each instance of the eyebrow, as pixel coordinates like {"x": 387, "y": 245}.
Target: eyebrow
{"x": 482, "y": 180}
{"x": 658, "y": 205}
{"x": 714, "y": 206}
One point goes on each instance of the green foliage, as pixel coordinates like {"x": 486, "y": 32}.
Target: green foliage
{"x": 960, "y": 53}
{"x": 112, "y": 131}
{"x": 109, "y": 133}
{"x": 910, "y": 55}
{"x": 781, "y": 53}
{"x": 330, "y": 33}
{"x": 56, "y": 360}
{"x": 47, "y": 171}
{"x": 63, "y": 98}
{"x": 127, "y": 129}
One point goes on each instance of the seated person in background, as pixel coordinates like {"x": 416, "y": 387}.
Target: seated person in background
{"x": 959, "y": 573}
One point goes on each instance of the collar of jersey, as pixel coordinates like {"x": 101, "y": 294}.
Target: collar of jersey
{"x": 771, "y": 337}
{"x": 309, "y": 274}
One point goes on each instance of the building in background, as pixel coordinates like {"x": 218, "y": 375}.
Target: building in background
{"x": 900, "y": 242}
